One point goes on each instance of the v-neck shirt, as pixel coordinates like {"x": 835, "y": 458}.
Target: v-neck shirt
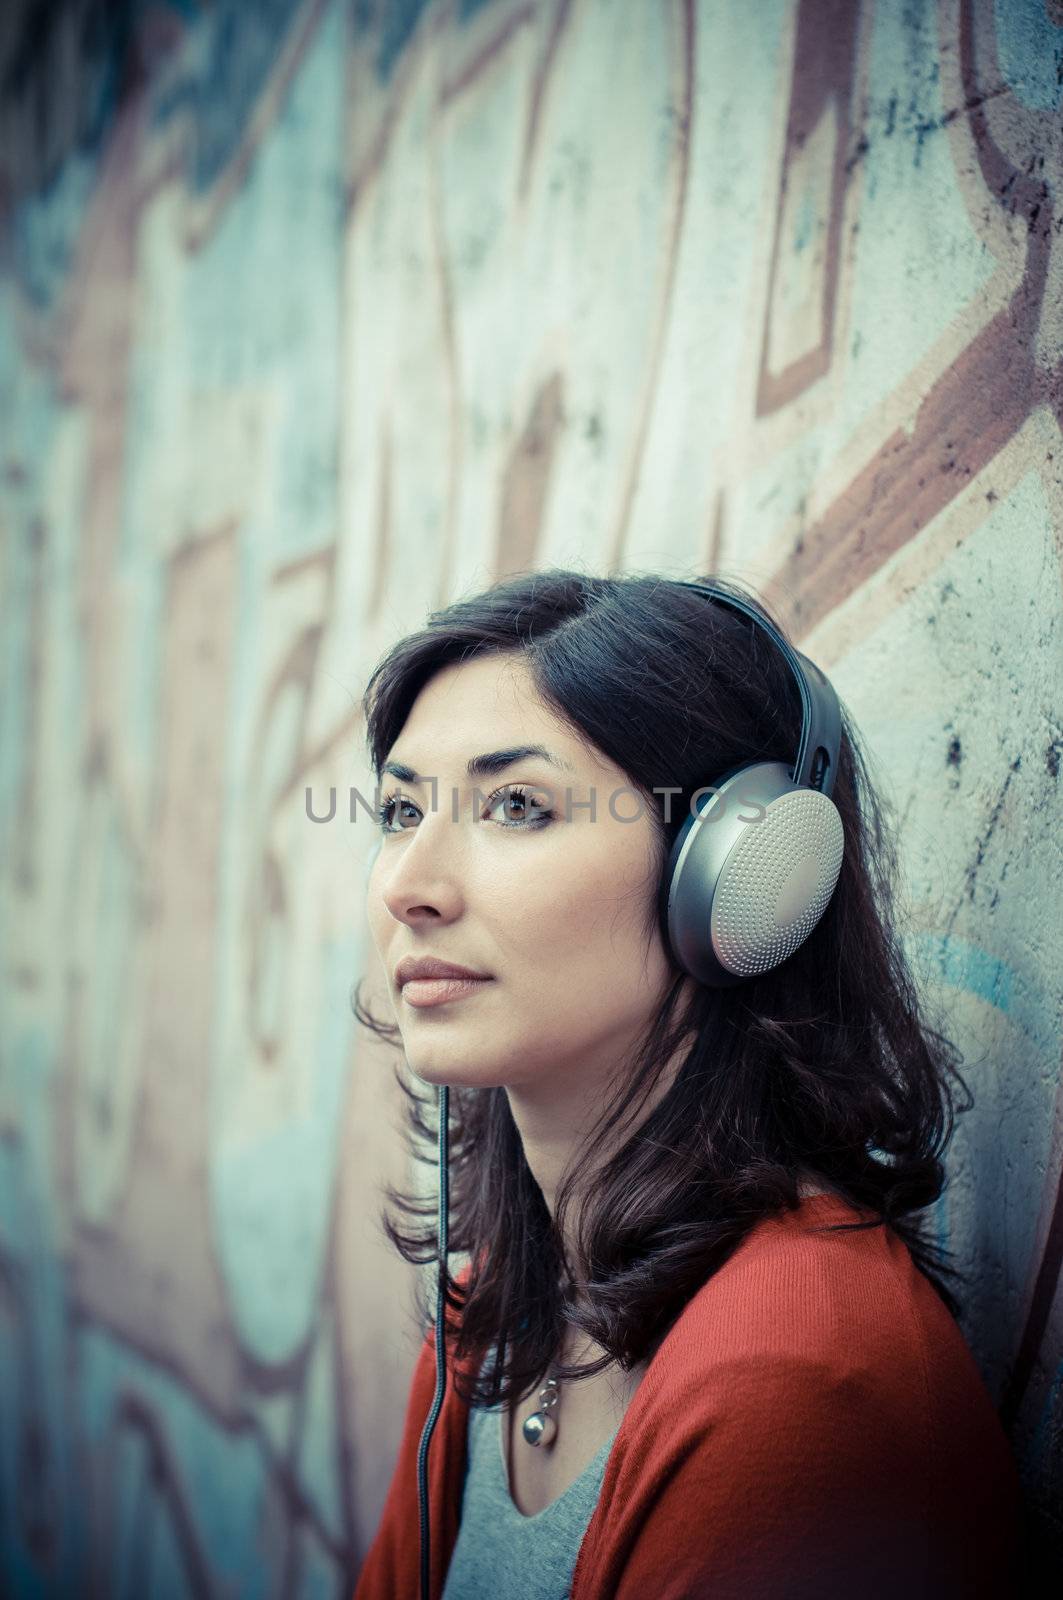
{"x": 500, "y": 1553}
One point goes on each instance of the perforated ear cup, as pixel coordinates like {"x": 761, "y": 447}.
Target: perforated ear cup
{"x": 751, "y": 875}
{"x": 776, "y": 882}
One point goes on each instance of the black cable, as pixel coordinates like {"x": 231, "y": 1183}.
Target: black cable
{"x": 441, "y": 1355}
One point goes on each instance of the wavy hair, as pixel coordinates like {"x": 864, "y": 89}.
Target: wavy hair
{"x": 828, "y": 1065}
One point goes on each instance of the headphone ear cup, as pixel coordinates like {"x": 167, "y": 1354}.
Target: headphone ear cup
{"x": 743, "y": 891}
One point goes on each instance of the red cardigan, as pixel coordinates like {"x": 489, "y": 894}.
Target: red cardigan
{"x": 812, "y": 1427}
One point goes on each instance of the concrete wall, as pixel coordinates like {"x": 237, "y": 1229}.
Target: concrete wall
{"x": 313, "y": 315}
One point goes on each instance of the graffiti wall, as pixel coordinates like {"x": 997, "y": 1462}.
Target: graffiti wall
{"x": 313, "y": 315}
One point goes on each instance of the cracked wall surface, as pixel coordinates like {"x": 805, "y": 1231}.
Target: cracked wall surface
{"x": 313, "y": 314}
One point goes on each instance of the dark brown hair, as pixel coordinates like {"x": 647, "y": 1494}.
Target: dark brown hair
{"x": 827, "y": 1065}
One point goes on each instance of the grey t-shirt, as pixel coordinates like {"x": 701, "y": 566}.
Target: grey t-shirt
{"x": 501, "y": 1554}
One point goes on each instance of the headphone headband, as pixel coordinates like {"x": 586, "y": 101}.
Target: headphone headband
{"x": 816, "y": 763}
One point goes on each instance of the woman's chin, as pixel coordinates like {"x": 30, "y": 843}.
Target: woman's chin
{"x": 452, "y": 1074}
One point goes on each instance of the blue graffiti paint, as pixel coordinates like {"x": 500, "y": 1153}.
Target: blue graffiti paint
{"x": 38, "y": 1488}
{"x": 965, "y": 966}
{"x": 394, "y": 21}
{"x": 46, "y": 227}
{"x": 245, "y": 44}
{"x": 270, "y": 1196}
{"x": 219, "y": 80}
{"x": 469, "y": 8}
{"x": 1030, "y": 47}
{"x": 224, "y": 1469}
{"x": 804, "y": 223}
{"x": 961, "y": 965}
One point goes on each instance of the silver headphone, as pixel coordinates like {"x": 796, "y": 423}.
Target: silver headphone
{"x": 740, "y": 893}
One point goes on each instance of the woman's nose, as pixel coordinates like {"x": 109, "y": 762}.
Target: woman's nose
{"x": 417, "y": 877}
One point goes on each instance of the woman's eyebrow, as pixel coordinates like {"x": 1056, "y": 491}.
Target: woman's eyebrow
{"x": 488, "y": 764}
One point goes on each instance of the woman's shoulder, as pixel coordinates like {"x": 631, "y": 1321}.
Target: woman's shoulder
{"x": 810, "y": 1408}
{"x": 838, "y": 1328}
{"x": 825, "y": 1289}
{"x": 820, "y": 1376}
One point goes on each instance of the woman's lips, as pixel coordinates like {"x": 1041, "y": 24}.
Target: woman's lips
{"x": 423, "y": 992}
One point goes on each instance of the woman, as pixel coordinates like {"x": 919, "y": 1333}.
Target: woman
{"x": 701, "y": 1346}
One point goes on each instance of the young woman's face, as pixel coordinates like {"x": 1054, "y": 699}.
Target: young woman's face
{"x": 554, "y": 912}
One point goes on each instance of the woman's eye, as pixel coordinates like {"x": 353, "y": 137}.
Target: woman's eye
{"x": 385, "y": 814}
{"x": 516, "y": 804}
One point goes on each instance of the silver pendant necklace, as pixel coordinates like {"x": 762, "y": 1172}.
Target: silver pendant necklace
{"x": 541, "y": 1426}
